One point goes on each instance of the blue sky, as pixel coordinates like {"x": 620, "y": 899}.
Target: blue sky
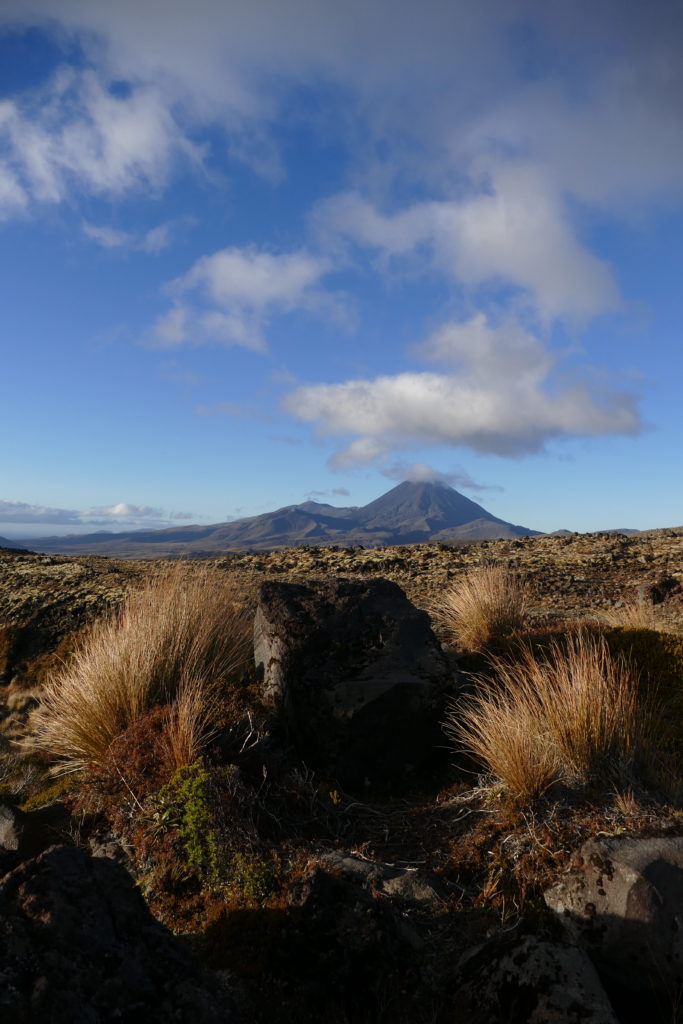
{"x": 253, "y": 254}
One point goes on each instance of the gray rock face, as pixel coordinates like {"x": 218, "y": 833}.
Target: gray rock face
{"x": 408, "y": 885}
{"x": 78, "y": 944}
{"x": 10, "y": 829}
{"x": 26, "y": 834}
{"x": 356, "y": 675}
{"x": 623, "y": 902}
{"x": 530, "y": 982}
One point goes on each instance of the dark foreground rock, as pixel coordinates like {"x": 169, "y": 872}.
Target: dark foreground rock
{"x": 77, "y": 943}
{"x": 357, "y": 676}
{"x": 530, "y": 982}
{"x": 345, "y": 949}
{"x": 622, "y": 900}
{"x": 24, "y": 835}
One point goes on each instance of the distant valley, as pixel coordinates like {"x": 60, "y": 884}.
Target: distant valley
{"x": 409, "y": 513}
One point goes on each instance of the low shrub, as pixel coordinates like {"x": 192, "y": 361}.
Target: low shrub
{"x": 183, "y": 635}
{"x": 572, "y": 714}
{"x": 487, "y": 605}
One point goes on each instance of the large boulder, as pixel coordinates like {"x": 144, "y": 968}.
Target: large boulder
{"x": 357, "y": 676}
{"x": 77, "y": 943}
{"x": 622, "y": 900}
{"x": 530, "y": 981}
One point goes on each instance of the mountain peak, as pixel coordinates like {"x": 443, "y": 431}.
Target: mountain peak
{"x": 411, "y": 512}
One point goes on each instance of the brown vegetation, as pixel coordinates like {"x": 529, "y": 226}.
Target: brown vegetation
{"x": 572, "y": 714}
{"x": 486, "y": 605}
{"x": 179, "y": 637}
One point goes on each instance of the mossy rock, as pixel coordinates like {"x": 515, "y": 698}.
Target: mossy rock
{"x": 657, "y": 656}
{"x": 52, "y": 791}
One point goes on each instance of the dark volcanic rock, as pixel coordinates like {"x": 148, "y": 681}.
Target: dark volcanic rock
{"x": 25, "y": 834}
{"x": 78, "y": 944}
{"x": 530, "y": 982}
{"x": 622, "y": 900}
{"x": 357, "y": 675}
{"x": 343, "y": 948}
{"x": 658, "y": 591}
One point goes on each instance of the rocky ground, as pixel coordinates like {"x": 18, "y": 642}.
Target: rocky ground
{"x": 434, "y": 899}
{"x": 568, "y": 575}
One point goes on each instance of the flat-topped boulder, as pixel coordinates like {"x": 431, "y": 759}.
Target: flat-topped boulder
{"x": 356, "y": 675}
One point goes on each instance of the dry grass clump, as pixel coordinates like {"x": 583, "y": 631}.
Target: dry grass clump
{"x": 633, "y": 615}
{"x": 572, "y": 714}
{"x": 488, "y": 604}
{"x": 179, "y": 638}
{"x": 189, "y": 723}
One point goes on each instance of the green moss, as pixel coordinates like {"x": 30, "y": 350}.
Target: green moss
{"x": 197, "y": 805}
{"x": 658, "y": 658}
{"x": 253, "y": 876}
{"x": 186, "y": 804}
{"x": 47, "y": 795}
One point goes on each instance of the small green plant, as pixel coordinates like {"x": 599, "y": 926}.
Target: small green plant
{"x": 253, "y": 876}
{"x": 193, "y": 805}
{"x": 186, "y": 804}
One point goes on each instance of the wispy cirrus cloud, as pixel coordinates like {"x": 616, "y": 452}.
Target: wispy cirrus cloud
{"x": 152, "y": 241}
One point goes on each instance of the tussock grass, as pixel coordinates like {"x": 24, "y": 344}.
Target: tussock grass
{"x": 179, "y": 638}
{"x": 188, "y": 727}
{"x": 572, "y": 714}
{"x": 488, "y": 604}
{"x": 633, "y": 615}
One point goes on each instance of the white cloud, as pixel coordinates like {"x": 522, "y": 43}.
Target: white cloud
{"x": 123, "y": 510}
{"x": 123, "y": 515}
{"x": 447, "y": 91}
{"x": 76, "y": 133}
{"x": 486, "y": 405}
{"x": 108, "y": 238}
{"x": 13, "y": 197}
{"x": 420, "y": 472}
{"x": 152, "y": 241}
{"x": 233, "y": 292}
{"x": 513, "y": 230}
{"x": 22, "y": 512}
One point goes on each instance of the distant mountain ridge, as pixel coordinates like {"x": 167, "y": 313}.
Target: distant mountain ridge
{"x": 6, "y": 543}
{"x": 409, "y": 513}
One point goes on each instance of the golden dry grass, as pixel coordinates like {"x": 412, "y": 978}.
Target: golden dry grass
{"x": 183, "y": 635}
{"x": 189, "y": 722}
{"x": 488, "y": 604}
{"x": 572, "y": 714}
{"x": 633, "y": 615}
